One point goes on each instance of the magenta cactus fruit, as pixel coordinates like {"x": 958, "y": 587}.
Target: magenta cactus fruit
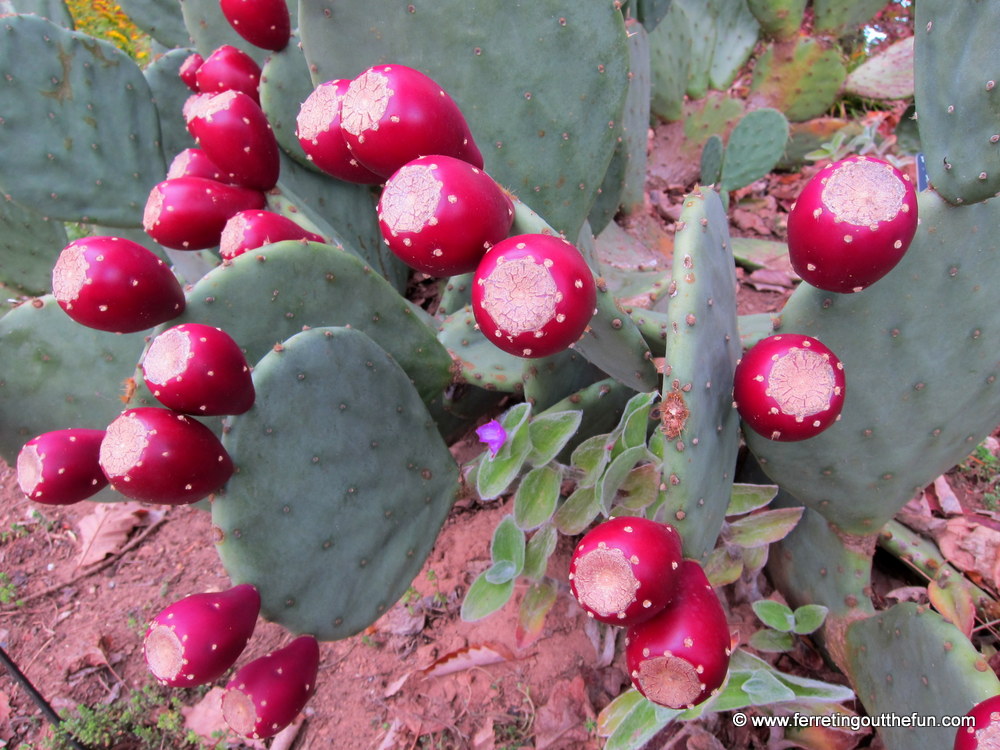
{"x": 440, "y": 215}
{"x": 392, "y": 114}
{"x": 197, "y": 638}
{"x": 198, "y": 369}
{"x": 319, "y": 134}
{"x": 61, "y": 467}
{"x": 162, "y": 456}
{"x": 266, "y": 695}
{"x": 985, "y": 734}
{"x": 623, "y": 571}
{"x": 193, "y": 162}
{"x": 789, "y": 387}
{"x": 680, "y": 657}
{"x": 852, "y": 223}
{"x": 189, "y": 213}
{"x": 188, "y": 71}
{"x": 114, "y": 284}
{"x": 263, "y": 23}
{"x": 234, "y": 133}
{"x": 533, "y": 295}
{"x": 248, "y": 230}
{"x": 229, "y": 68}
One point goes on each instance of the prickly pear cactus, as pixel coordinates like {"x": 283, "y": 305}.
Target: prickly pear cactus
{"x": 332, "y": 531}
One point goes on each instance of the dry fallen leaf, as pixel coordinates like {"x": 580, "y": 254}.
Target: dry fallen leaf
{"x": 479, "y": 655}
{"x": 106, "y": 529}
{"x": 971, "y": 547}
{"x": 6, "y": 732}
{"x": 562, "y": 721}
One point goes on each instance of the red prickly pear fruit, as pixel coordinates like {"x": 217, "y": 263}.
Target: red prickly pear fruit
{"x": 266, "y": 695}
{"x": 440, "y": 215}
{"x": 197, "y": 638}
{"x": 533, "y": 295}
{"x": 248, "y": 230}
{"x": 229, "y": 68}
{"x": 319, "y": 134}
{"x": 623, "y": 571}
{"x": 983, "y": 732}
{"x": 198, "y": 369}
{"x": 852, "y": 223}
{"x": 161, "y": 456}
{"x": 61, "y": 467}
{"x": 193, "y": 162}
{"x": 114, "y": 284}
{"x": 789, "y": 387}
{"x": 263, "y": 23}
{"x": 392, "y": 114}
{"x": 189, "y": 70}
{"x": 189, "y": 213}
{"x": 234, "y": 133}
{"x": 680, "y": 657}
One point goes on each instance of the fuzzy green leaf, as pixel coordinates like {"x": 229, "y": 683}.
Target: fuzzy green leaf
{"x": 508, "y": 545}
{"x": 750, "y": 497}
{"x": 774, "y": 614}
{"x": 485, "y": 598}
{"x": 536, "y": 497}
{"x": 809, "y": 618}
{"x": 550, "y": 433}
{"x": 538, "y": 551}
{"x": 579, "y": 510}
{"x": 772, "y": 641}
{"x": 763, "y": 528}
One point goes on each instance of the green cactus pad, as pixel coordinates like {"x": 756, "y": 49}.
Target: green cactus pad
{"x": 754, "y": 147}
{"x": 80, "y": 134}
{"x": 699, "y": 433}
{"x": 840, "y": 16}
{"x": 779, "y": 19}
{"x": 58, "y": 374}
{"x": 909, "y": 661}
{"x": 919, "y": 349}
{"x": 265, "y": 296}
{"x": 284, "y": 84}
{"x": 332, "y": 531}
{"x": 161, "y": 19}
{"x": 477, "y": 361}
{"x": 800, "y": 77}
{"x": 54, "y": 10}
{"x": 169, "y": 95}
{"x": 29, "y": 246}
{"x": 670, "y": 55}
{"x": 886, "y": 75}
{"x": 546, "y": 126}
{"x": 956, "y": 76}
{"x": 209, "y": 29}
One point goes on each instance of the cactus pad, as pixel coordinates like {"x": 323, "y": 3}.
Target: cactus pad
{"x": 332, "y": 531}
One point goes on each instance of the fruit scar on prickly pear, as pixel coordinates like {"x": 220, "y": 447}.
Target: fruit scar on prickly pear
{"x": 264, "y": 23}
{"x": 533, "y": 295}
{"x": 61, "y": 467}
{"x": 392, "y": 114}
{"x": 197, "y": 638}
{"x": 440, "y": 215}
{"x": 114, "y": 284}
{"x": 229, "y": 68}
{"x": 789, "y": 387}
{"x": 680, "y": 657}
{"x": 161, "y": 456}
{"x": 851, "y": 224}
{"x": 319, "y": 134}
{"x": 189, "y": 213}
{"x": 266, "y": 695}
{"x": 234, "y": 133}
{"x": 198, "y": 369}
{"x": 248, "y": 230}
{"x": 623, "y": 571}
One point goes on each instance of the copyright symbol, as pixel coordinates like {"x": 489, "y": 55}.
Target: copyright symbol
{"x": 740, "y": 719}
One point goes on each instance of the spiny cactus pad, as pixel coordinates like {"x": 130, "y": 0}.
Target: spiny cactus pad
{"x": 332, "y": 530}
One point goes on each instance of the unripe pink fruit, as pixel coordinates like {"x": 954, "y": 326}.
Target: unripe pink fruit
{"x": 624, "y": 570}
{"x": 789, "y": 387}
{"x": 267, "y": 694}
{"x": 198, "y": 369}
{"x": 440, "y": 215}
{"x": 189, "y": 70}
{"x": 263, "y": 23}
{"x": 114, "y": 284}
{"x": 196, "y": 639}
{"x": 319, "y": 134}
{"x": 189, "y": 213}
{"x": 392, "y": 114}
{"x": 61, "y": 467}
{"x": 533, "y": 295}
{"x": 852, "y": 223}
{"x": 248, "y": 230}
{"x": 229, "y": 68}
{"x": 234, "y": 133}
{"x": 161, "y": 456}
{"x": 680, "y": 657}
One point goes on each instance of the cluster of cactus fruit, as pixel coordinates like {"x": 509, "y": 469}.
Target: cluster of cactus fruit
{"x": 288, "y": 379}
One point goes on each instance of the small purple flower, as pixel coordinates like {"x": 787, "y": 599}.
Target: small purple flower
{"x": 493, "y": 434}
